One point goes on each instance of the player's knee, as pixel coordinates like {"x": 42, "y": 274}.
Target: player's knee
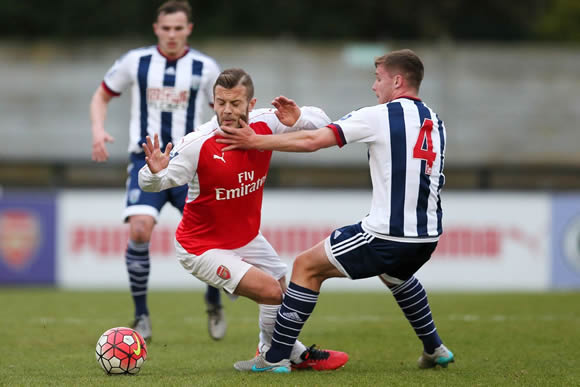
{"x": 140, "y": 232}
{"x": 272, "y": 294}
{"x": 307, "y": 269}
{"x": 303, "y": 264}
{"x": 140, "y": 237}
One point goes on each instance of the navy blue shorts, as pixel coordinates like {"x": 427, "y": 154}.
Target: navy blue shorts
{"x": 358, "y": 254}
{"x": 139, "y": 202}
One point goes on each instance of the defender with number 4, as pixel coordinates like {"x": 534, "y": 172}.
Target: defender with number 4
{"x": 406, "y": 149}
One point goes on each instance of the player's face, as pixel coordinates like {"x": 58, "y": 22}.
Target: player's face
{"x": 172, "y": 30}
{"x": 385, "y": 84}
{"x": 232, "y": 104}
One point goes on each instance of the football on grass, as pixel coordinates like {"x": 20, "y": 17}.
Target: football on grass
{"x": 121, "y": 351}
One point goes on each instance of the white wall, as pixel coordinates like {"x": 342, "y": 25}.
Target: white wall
{"x": 501, "y": 103}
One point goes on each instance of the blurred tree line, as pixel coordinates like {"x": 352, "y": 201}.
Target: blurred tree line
{"x": 491, "y": 20}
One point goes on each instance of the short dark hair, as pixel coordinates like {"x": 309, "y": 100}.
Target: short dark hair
{"x": 406, "y": 62}
{"x": 173, "y": 6}
{"x": 230, "y": 78}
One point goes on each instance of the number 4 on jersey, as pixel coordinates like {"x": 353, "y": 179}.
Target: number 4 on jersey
{"x": 419, "y": 151}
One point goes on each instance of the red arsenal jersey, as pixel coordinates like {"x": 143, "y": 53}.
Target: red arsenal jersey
{"x": 224, "y": 202}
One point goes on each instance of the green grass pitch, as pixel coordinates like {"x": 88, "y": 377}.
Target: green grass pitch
{"x": 48, "y": 337}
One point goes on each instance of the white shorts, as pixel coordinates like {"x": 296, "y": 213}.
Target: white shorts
{"x": 224, "y": 269}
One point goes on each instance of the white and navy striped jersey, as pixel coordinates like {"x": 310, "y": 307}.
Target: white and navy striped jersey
{"x": 406, "y": 150}
{"x": 168, "y": 96}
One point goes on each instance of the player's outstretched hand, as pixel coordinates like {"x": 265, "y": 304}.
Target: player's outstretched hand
{"x": 100, "y": 153}
{"x": 155, "y": 159}
{"x": 286, "y": 110}
{"x": 237, "y": 138}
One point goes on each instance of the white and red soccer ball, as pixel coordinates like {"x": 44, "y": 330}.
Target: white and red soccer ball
{"x": 121, "y": 351}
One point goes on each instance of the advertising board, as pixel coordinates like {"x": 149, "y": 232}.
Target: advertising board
{"x": 491, "y": 241}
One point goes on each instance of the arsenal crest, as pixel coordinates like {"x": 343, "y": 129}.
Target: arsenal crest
{"x": 223, "y": 272}
{"x": 19, "y": 238}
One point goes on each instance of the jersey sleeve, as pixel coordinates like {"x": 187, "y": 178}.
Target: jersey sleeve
{"x": 357, "y": 126}
{"x": 119, "y": 77}
{"x": 311, "y": 117}
{"x": 211, "y": 72}
{"x": 181, "y": 169}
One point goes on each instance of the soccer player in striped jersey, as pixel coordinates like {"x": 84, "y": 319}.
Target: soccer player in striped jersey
{"x": 171, "y": 85}
{"x": 219, "y": 240}
{"x": 406, "y": 150}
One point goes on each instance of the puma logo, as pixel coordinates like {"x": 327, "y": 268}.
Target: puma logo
{"x": 220, "y": 157}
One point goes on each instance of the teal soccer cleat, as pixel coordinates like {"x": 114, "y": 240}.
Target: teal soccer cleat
{"x": 442, "y": 357}
{"x": 260, "y": 364}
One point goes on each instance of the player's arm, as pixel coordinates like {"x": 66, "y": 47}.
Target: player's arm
{"x": 165, "y": 169}
{"x": 213, "y": 72}
{"x": 299, "y": 141}
{"x": 294, "y": 117}
{"x": 98, "y": 114}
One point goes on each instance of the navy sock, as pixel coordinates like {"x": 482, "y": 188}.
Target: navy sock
{"x": 412, "y": 300}
{"x": 137, "y": 260}
{"x": 297, "y": 306}
{"x": 212, "y": 295}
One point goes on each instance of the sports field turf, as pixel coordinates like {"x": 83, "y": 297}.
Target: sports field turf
{"x": 48, "y": 337}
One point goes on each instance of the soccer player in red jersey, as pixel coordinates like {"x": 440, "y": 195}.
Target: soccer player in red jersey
{"x": 219, "y": 240}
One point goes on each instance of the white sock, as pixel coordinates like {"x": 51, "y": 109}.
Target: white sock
{"x": 267, "y": 321}
{"x": 297, "y": 350}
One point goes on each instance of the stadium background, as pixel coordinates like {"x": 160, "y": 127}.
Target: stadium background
{"x": 503, "y": 76}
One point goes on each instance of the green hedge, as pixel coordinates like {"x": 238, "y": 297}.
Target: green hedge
{"x": 323, "y": 19}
